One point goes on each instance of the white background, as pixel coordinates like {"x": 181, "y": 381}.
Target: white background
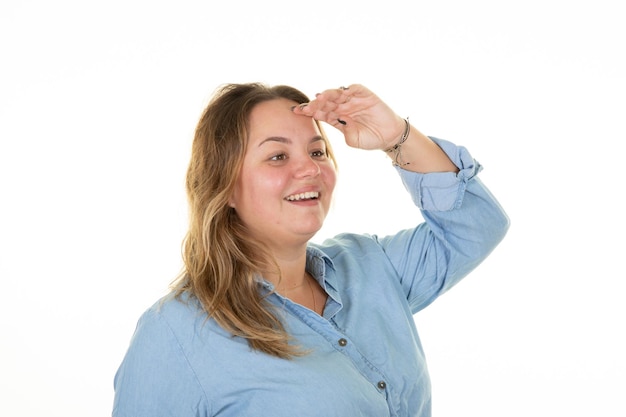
{"x": 98, "y": 103}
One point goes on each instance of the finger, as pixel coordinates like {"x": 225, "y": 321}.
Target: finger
{"x": 303, "y": 109}
{"x": 316, "y": 107}
{"x": 324, "y": 116}
{"x": 344, "y": 96}
{"x": 338, "y": 121}
{"x": 356, "y": 90}
{"x": 328, "y": 106}
{"x": 341, "y": 106}
{"x": 336, "y": 95}
{"x": 326, "y": 101}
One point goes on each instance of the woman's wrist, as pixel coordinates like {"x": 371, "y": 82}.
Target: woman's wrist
{"x": 421, "y": 154}
{"x": 395, "y": 151}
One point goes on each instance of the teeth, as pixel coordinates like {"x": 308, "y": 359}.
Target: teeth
{"x": 303, "y": 196}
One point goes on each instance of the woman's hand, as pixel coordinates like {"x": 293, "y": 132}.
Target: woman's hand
{"x": 364, "y": 119}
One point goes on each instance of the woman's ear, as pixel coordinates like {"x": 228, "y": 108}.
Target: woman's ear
{"x": 231, "y": 201}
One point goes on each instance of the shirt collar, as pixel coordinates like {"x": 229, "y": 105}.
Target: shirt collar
{"x": 316, "y": 258}
{"x": 316, "y": 263}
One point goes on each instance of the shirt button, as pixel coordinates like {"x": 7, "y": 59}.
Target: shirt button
{"x": 342, "y": 342}
{"x": 382, "y": 385}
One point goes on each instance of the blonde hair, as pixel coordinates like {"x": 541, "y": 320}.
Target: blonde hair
{"x": 221, "y": 260}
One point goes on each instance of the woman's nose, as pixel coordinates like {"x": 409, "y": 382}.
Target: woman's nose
{"x": 307, "y": 167}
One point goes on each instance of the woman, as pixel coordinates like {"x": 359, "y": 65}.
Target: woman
{"x": 264, "y": 323}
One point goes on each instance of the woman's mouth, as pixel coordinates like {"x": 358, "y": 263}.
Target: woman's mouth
{"x": 309, "y": 195}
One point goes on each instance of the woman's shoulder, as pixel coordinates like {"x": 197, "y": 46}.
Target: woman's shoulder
{"x": 171, "y": 309}
{"x": 166, "y": 317}
{"x": 345, "y": 241}
{"x": 351, "y": 251}
{"x": 176, "y": 327}
{"x": 359, "y": 245}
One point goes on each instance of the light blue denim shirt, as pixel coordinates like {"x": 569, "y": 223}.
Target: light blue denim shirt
{"x": 365, "y": 356}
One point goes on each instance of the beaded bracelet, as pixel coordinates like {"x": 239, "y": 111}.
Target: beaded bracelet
{"x": 396, "y": 148}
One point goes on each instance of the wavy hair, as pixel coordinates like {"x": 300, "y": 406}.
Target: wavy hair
{"x": 221, "y": 259}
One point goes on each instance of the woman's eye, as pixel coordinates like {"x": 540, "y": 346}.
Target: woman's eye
{"x": 279, "y": 157}
{"x": 318, "y": 154}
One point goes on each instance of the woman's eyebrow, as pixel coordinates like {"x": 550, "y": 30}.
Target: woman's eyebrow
{"x": 275, "y": 139}
{"x": 282, "y": 139}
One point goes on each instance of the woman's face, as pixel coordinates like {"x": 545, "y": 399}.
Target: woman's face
{"x": 285, "y": 186}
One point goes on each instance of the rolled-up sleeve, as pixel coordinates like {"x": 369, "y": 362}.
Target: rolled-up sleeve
{"x": 464, "y": 223}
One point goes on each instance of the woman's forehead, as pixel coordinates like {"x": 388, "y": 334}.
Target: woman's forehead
{"x": 275, "y": 119}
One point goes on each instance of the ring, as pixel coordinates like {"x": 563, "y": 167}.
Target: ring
{"x": 343, "y": 88}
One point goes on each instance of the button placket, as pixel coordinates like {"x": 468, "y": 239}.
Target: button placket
{"x": 381, "y": 385}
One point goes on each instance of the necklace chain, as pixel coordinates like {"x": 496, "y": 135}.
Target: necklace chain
{"x": 292, "y": 288}
{"x": 308, "y": 283}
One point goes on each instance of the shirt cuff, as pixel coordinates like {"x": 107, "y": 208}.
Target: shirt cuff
{"x": 442, "y": 191}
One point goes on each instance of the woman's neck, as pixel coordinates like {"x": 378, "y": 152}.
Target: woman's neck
{"x": 292, "y": 266}
{"x": 296, "y": 284}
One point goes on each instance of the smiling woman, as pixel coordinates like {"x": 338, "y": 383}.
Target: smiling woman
{"x": 264, "y": 322}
